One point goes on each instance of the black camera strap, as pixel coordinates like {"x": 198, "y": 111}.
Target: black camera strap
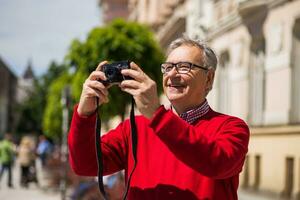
{"x": 133, "y": 146}
{"x": 99, "y": 151}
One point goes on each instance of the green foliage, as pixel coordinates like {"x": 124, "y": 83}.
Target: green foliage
{"x": 54, "y": 71}
{"x": 31, "y": 111}
{"x": 52, "y": 121}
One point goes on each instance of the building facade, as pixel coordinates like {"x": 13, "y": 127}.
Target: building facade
{"x": 112, "y": 9}
{"x": 257, "y": 43}
{"x": 167, "y": 18}
{"x": 8, "y": 91}
{"x": 258, "y": 46}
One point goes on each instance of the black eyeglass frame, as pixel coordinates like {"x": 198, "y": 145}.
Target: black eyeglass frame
{"x": 191, "y": 65}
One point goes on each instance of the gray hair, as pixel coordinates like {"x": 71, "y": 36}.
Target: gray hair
{"x": 209, "y": 56}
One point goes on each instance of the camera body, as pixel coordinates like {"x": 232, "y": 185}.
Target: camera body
{"x": 113, "y": 74}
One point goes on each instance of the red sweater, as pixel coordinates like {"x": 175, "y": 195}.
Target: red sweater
{"x": 175, "y": 160}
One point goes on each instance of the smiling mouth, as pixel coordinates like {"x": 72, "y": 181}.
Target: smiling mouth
{"x": 175, "y": 85}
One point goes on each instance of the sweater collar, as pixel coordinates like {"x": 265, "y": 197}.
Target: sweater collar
{"x": 194, "y": 114}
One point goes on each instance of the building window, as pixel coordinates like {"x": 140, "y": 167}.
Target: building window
{"x": 224, "y": 83}
{"x": 289, "y": 177}
{"x": 257, "y": 174}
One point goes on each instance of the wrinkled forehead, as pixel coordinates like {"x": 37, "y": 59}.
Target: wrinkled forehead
{"x": 186, "y": 53}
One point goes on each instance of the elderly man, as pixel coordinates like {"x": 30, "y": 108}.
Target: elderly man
{"x": 186, "y": 152}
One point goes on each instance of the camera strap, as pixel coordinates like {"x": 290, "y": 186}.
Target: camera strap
{"x": 99, "y": 151}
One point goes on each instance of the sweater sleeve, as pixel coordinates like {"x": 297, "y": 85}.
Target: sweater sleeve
{"x": 219, "y": 154}
{"x": 82, "y": 148}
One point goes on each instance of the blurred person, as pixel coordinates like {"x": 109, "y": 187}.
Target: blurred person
{"x": 187, "y": 151}
{"x": 7, "y": 151}
{"x": 115, "y": 186}
{"x": 44, "y": 149}
{"x": 26, "y": 158}
{"x": 87, "y": 190}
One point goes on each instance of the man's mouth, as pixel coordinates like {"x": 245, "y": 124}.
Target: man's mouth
{"x": 176, "y": 85}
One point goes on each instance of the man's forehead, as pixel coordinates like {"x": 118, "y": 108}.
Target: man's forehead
{"x": 185, "y": 53}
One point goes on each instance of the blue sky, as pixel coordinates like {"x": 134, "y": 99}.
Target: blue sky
{"x": 42, "y": 30}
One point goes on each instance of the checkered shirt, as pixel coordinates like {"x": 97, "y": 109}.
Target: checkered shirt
{"x": 194, "y": 114}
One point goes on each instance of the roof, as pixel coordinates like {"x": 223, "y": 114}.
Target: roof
{"x": 6, "y": 67}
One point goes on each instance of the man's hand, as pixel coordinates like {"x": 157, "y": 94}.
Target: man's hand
{"x": 93, "y": 88}
{"x": 142, "y": 88}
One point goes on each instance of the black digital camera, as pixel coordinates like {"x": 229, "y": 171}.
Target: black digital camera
{"x": 113, "y": 74}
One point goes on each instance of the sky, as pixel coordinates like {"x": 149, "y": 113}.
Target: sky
{"x": 42, "y": 30}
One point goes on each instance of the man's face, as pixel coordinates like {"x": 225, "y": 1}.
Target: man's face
{"x": 186, "y": 91}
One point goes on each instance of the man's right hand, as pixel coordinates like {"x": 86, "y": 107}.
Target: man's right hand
{"x": 93, "y": 88}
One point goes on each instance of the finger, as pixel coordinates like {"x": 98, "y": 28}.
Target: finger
{"x": 100, "y": 65}
{"x": 131, "y": 91}
{"x": 96, "y": 85}
{"x": 91, "y": 93}
{"x": 135, "y": 67}
{"x": 97, "y": 75}
{"x": 103, "y": 99}
{"x": 136, "y": 75}
{"x": 130, "y": 84}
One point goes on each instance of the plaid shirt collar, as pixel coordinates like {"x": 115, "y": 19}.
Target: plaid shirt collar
{"x": 194, "y": 114}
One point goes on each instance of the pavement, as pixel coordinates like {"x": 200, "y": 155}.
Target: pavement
{"x": 245, "y": 195}
{"x": 33, "y": 192}
{"x": 28, "y": 194}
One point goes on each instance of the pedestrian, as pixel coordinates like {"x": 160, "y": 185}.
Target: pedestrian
{"x": 188, "y": 151}
{"x": 44, "y": 149}
{"x": 115, "y": 186}
{"x": 26, "y": 158}
{"x": 7, "y": 151}
{"x": 86, "y": 190}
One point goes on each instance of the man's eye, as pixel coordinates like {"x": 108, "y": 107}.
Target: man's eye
{"x": 168, "y": 68}
{"x": 183, "y": 70}
{"x": 183, "y": 65}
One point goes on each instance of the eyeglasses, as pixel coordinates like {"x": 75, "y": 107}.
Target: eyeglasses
{"x": 181, "y": 67}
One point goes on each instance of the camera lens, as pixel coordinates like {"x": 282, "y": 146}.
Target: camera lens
{"x": 110, "y": 72}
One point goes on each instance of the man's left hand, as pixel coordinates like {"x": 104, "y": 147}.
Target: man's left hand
{"x": 142, "y": 88}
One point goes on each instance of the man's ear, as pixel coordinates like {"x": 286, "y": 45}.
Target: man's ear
{"x": 210, "y": 79}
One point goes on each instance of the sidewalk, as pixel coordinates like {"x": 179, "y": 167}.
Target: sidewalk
{"x": 33, "y": 192}
{"x": 246, "y": 195}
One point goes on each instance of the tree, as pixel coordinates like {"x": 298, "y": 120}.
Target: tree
{"x": 54, "y": 71}
{"x": 31, "y": 110}
{"x": 117, "y": 41}
{"x": 52, "y": 120}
